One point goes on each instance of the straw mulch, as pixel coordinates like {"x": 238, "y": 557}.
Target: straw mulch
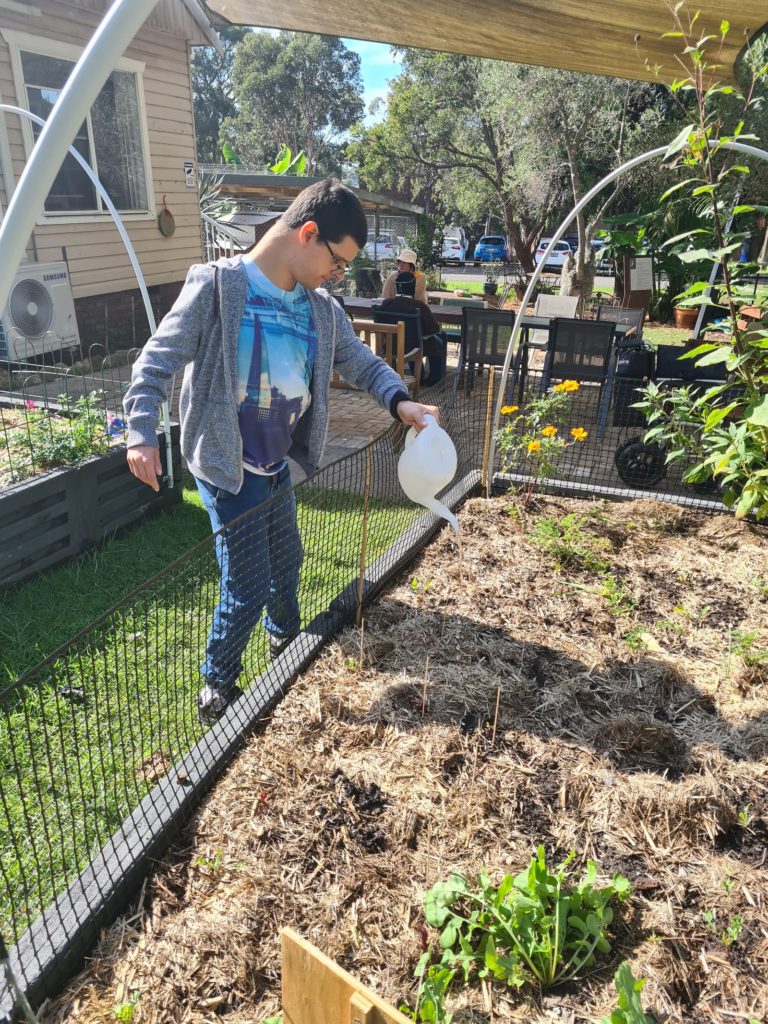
{"x": 631, "y": 728}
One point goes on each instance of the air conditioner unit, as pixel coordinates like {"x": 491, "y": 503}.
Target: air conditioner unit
{"x": 39, "y": 316}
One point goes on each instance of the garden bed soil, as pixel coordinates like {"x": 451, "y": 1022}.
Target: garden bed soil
{"x": 630, "y": 666}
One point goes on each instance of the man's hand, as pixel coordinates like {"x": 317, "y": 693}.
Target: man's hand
{"x": 144, "y": 463}
{"x": 412, "y": 414}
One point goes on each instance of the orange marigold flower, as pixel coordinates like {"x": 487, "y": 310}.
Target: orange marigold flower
{"x": 579, "y": 434}
{"x": 507, "y": 410}
{"x": 534, "y": 446}
{"x": 570, "y": 385}
{"x": 549, "y": 431}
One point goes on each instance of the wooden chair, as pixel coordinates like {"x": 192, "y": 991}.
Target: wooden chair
{"x": 388, "y": 342}
{"x": 413, "y": 346}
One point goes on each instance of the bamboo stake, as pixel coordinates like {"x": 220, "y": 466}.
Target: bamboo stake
{"x": 364, "y": 541}
{"x": 496, "y": 716}
{"x": 485, "y": 481}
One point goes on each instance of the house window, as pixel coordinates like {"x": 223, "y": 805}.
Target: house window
{"x": 109, "y": 139}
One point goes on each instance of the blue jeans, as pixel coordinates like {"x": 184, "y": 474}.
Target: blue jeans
{"x": 259, "y": 560}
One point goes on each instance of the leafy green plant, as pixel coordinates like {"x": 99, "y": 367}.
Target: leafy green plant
{"x": 124, "y": 1012}
{"x": 745, "y": 645}
{"x": 618, "y": 602}
{"x": 212, "y": 864}
{"x": 635, "y": 639}
{"x": 571, "y": 544}
{"x": 746, "y": 817}
{"x": 434, "y": 982}
{"x": 277, "y": 1019}
{"x": 534, "y": 437}
{"x": 630, "y": 1008}
{"x": 287, "y": 163}
{"x": 730, "y": 933}
{"x": 212, "y": 202}
{"x": 492, "y": 271}
{"x": 538, "y": 927}
{"x": 53, "y": 441}
{"x": 722, "y": 432}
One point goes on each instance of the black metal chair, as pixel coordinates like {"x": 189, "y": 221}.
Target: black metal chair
{"x": 485, "y": 335}
{"x": 633, "y": 317}
{"x": 582, "y": 350}
{"x": 414, "y": 344}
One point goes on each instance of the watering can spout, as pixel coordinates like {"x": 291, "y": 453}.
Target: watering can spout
{"x": 442, "y": 510}
{"x": 427, "y": 465}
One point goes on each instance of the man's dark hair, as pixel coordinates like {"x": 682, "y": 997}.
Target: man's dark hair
{"x": 333, "y": 207}
{"x": 405, "y": 284}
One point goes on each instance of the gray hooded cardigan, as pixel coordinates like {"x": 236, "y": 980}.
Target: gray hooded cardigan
{"x": 196, "y": 336}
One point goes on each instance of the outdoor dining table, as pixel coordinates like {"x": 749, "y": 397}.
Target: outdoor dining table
{"x": 358, "y": 307}
{"x": 452, "y": 315}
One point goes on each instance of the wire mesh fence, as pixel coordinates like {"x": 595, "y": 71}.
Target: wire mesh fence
{"x": 97, "y": 733}
{"x": 102, "y": 747}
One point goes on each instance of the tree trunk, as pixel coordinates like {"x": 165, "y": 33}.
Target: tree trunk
{"x": 577, "y": 278}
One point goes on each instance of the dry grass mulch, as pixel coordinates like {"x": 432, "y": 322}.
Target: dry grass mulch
{"x": 627, "y": 648}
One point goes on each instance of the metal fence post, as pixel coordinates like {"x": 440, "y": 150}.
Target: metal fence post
{"x": 364, "y": 539}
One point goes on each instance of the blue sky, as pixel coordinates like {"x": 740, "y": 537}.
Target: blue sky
{"x": 378, "y": 65}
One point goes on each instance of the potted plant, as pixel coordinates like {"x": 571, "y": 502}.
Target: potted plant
{"x": 491, "y": 284}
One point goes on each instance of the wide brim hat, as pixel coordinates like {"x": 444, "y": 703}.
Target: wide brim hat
{"x": 407, "y": 256}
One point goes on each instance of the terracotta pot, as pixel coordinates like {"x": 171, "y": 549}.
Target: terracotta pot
{"x": 685, "y": 317}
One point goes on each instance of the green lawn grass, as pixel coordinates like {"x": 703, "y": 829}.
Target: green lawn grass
{"x": 84, "y": 738}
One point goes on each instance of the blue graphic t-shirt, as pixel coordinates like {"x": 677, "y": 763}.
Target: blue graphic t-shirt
{"x": 275, "y": 355}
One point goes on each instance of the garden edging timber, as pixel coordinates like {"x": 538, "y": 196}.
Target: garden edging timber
{"x": 52, "y": 518}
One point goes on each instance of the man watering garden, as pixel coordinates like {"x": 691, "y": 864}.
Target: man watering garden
{"x": 258, "y": 339}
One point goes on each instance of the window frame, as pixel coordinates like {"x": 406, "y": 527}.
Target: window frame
{"x": 6, "y": 163}
{"x": 45, "y": 47}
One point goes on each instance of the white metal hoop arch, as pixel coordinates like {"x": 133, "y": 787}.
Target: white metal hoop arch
{"x": 740, "y": 147}
{"x": 119, "y": 224}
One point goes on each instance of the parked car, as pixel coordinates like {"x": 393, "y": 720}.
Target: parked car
{"x": 384, "y": 246}
{"x": 454, "y": 249}
{"x": 491, "y": 248}
{"x": 556, "y": 257}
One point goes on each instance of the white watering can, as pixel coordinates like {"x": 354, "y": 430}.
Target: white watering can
{"x": 427, "y": 464}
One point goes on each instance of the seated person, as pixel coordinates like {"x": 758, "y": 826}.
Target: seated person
{"x": 406, "y": 263}
{"x": 431, "y": 336}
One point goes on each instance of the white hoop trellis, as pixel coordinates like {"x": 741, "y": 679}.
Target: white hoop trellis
{"x": 740, "y": 147}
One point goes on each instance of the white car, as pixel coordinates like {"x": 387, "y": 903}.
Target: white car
{"x": 556, "y": 257}
{"x": 383, "y": 246}
{"x": 454, "y": 249}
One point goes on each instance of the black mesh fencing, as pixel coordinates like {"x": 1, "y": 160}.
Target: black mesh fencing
{"x": 104, "y": 754}
{"x": 103, "y": 749}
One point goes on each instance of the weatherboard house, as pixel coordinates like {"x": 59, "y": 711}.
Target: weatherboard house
{"x": 139, "y": 137}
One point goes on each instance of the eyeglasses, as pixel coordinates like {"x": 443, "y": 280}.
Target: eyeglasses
{"x": 340, "y": 264}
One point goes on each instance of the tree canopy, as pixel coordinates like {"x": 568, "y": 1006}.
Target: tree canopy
{"x": 212, "y": 92}
{"x": 301, "y": 90}
{"x": 482, "y": 135}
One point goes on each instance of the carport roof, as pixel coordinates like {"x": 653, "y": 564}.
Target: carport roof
{"x": 286, "y": 187}
{"x": 605, "y": 37}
